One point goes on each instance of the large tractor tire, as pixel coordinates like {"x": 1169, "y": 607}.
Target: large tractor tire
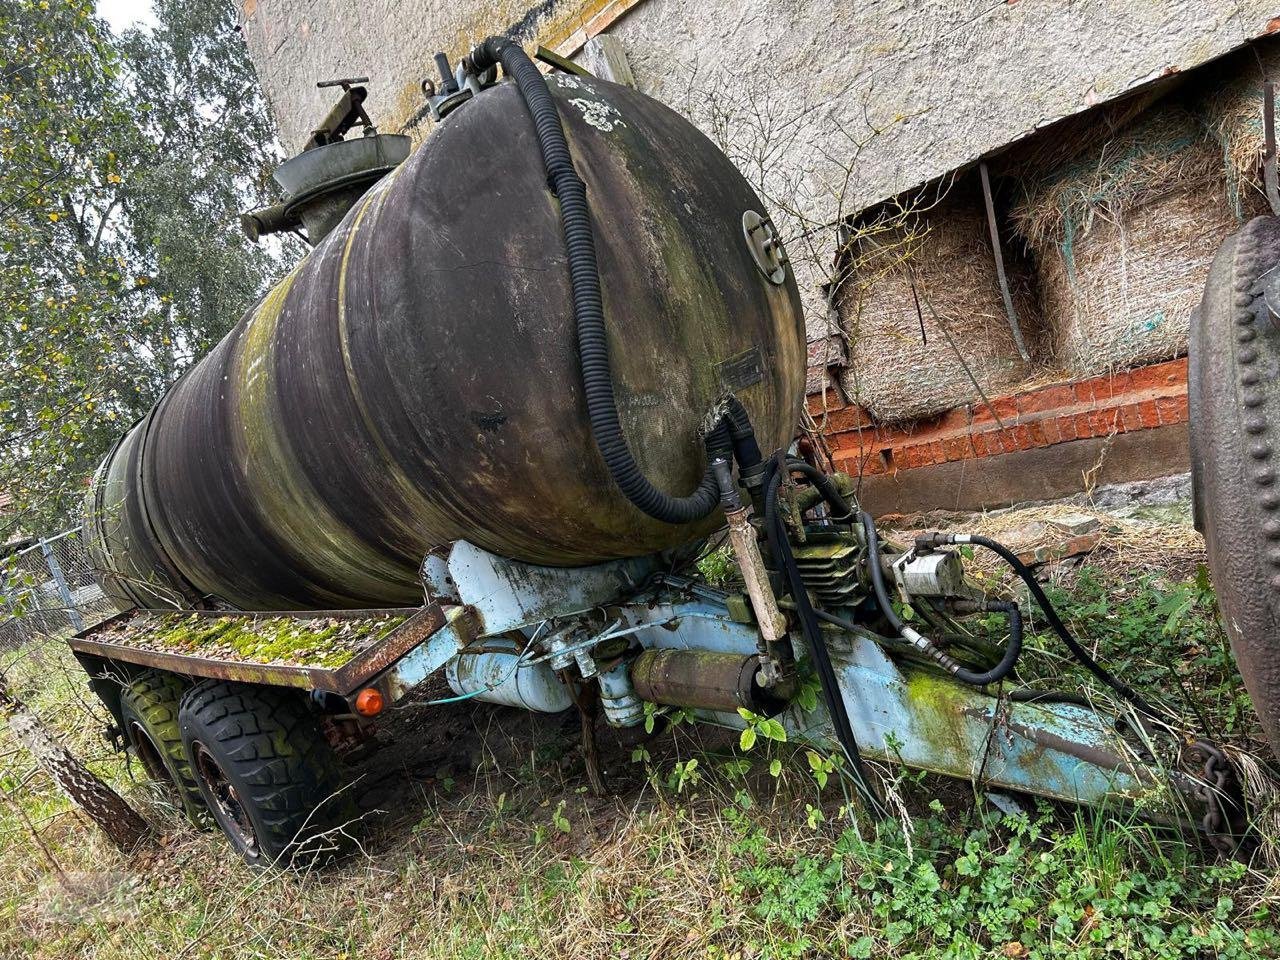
{"x": 266, "y": 771}
{"x": 149, "y": 707}
{"x": 1234, "y": 386}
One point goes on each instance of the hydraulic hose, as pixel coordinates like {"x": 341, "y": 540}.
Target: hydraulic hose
{"x": 979, "y": 679}
{"x": 781, "y": 549}
{"x": 1024, "y": 573}
{"x": 922, "y": 643}
{"x": 746, "y": 450}
{"x": 841, "y": 509}
{"x": 588, "y": 302}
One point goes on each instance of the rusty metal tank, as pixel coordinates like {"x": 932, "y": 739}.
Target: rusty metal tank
{"x": 415, "y": 379}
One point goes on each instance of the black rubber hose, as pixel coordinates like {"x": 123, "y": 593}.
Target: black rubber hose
{"x": 1055, "y": 622}
{"x": 994, "y": 675}
{"x": 746, "y": 450}
{"x": 841, "y": 508}
{"x": 1028, "y": 695}
{"x": 780, "y": 546}
{"x": 922, "y": 643}
{"x": 588, "y": 301}
{"x": 1012, "y": 650}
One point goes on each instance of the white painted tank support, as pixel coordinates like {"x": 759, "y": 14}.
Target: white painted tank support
{"x": 499, "y": 676}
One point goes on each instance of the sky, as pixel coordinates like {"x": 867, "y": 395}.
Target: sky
{"x": 125, "y": 13}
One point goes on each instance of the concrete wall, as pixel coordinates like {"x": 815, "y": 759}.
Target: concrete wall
{"x": 827, "y": 105}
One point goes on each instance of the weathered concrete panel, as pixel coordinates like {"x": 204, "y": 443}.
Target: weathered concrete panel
{"x": 826, "y": 105}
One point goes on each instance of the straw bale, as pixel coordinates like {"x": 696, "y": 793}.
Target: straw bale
{"x": 942, "y": 255}
{"x": 1230, "y": 106}
{"x": 1123, "y": 235}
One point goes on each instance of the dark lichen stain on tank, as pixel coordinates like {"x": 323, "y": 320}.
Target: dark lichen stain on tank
{"x": 489, "y": 422}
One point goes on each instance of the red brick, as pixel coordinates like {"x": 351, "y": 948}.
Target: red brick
{"x": 1112, "y": 385}
{"x": 1171, "y": 409}
{"x": 957, "y": 448}
{"x": 1130, "y": 417}
{"x": 846, "y": 464}
{"x": 907, "y": 458}
{"x": 870, "y": 466}
{"x": 1083, "y": 391}
{"x": 846, "y": 420}
{"x": 1047, "y": 399}
{"x": 1105, "y": 422}
{"x": 1052, "y": 427}
{"x": 957, "y": 419}
{"x": 832, "y": 400}
{"x": 1148, "y": 414}
{"x": 928, "y": 456}
{"x": 1004, "y": 408}
{"x": 1037, "y": 435}
{"x": 1159, "y": 375}
{"x": 845, "y": 444}
{"x": 1083, "y": 423}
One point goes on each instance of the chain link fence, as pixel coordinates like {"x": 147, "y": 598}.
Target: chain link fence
{"x": 48, "y": 590}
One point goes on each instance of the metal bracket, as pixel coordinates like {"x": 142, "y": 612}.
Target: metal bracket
{"x": 765, "y": 246}
{"x": 1269, "y": 177}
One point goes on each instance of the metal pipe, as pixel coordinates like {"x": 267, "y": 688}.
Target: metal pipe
{"x": 500, "y": 677}
{"x": 702, "y": 680}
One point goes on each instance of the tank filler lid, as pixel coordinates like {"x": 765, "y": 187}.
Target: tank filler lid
{"x": 331, "y": 172}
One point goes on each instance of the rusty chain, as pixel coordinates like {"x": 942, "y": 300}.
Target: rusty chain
{"x": 1218, "y": 789}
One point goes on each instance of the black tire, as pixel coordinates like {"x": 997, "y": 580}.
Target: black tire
{"x": 266, "y": 772}
{"x": 149, "y": 707}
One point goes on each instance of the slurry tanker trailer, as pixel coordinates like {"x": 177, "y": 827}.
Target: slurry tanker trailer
{"x": 485, "y": 428}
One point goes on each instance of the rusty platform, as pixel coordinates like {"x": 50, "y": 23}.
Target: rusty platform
{"x": 422, "y": 622}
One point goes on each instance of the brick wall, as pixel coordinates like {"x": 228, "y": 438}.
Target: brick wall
{"x": 1087, "y": 414}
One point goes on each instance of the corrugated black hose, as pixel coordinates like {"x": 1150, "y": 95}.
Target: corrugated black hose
{"x": 588, "y": 302}
{"x": 780, "y": 546}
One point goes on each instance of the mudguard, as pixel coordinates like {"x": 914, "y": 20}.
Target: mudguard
{"x": 1234, "y": 391}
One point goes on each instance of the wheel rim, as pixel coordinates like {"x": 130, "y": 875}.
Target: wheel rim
{"x": 231, "y": 813}
{"x": 148, "y": 753}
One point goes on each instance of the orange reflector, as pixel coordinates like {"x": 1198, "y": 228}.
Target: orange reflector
{"x": 369, "y": 702}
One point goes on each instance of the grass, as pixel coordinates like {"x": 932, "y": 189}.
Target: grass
{"x": 710, "y": 860}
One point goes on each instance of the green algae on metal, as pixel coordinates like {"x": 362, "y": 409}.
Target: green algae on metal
{"x": 328, "y": 642}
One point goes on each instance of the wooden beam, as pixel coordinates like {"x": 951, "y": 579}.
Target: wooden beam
{"x": 607, "y": 60}
{"x": 597, "y": 18}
